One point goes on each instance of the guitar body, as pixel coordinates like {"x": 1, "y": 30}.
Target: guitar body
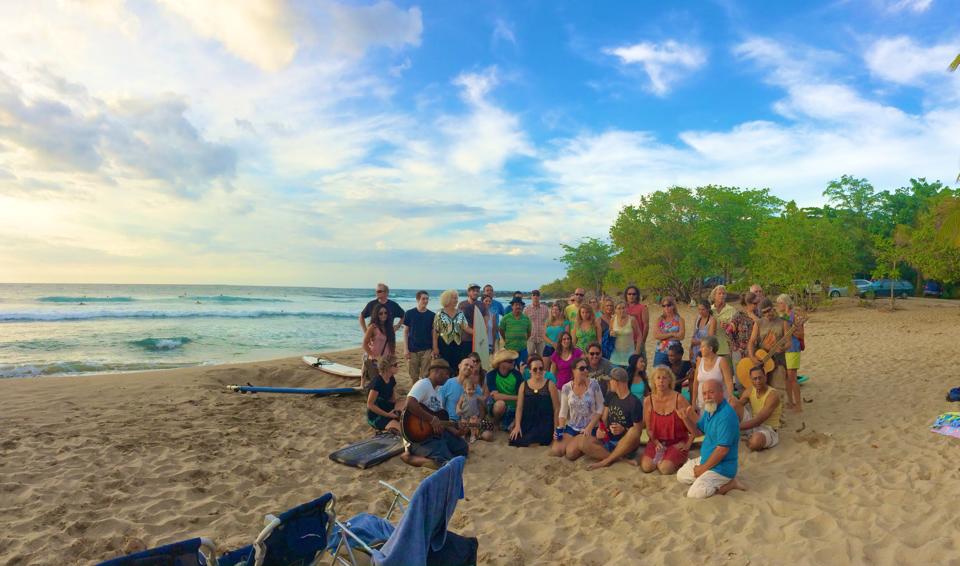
{"x": 415, "y": 429}
{"x": 746, "y": 364}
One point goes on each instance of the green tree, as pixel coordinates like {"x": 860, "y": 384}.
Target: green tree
{"x": 794, "y": 250}
{"x": 905, "y": 205}
{"x": 933, "y": 255}
{"x": 588, "y": 262}
{"x": 659, "y": 244}
{"x": 889, "y": 252}
{"x": 729, "y": 218}
{"x": 856, "y": 203}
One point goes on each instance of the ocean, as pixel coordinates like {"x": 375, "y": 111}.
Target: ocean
{"x": 54, "y": 329}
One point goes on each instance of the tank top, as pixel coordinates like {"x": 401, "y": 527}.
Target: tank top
{"x": 668, "y": 326}
{"x": 586, "y": 337}
{"x": 378, "y": 344}
{"x": 668, "y": 429}
{"x": 623, "y": 344}
{"x": 699, "y": 333}
{"x": 756, "y": 405}
{"x": 703, "y": 376}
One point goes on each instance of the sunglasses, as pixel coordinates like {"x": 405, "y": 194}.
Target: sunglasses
{"x": 581, "y": 368}
{"x": 665, "y": 305}
{"x": 536, "y": 369}
{"x": 578, "y": 294}
{"x": 593, "y": 353}
{"x": 380, "y": 291}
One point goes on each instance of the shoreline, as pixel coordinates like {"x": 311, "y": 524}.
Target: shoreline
{"x": 96, "y": 467}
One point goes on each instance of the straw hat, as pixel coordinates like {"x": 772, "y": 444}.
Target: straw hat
{"x": 504, "y": 356}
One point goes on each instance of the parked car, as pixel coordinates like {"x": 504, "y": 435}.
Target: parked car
{"x": 714, "y": 280}
{"x": 901, "y": 288}
{"x": 932, "y": 289}
{"x": 860, "y": 284}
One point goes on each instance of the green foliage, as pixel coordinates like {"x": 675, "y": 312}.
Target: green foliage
{"x": 588, "y": 262}
{"x": 903, "y": 206}
{"x": 889, "y": 252}
{"x": 794, "y": 250}
{"x": 559, "y": 288}
{"x": 672, "y": 239}
{"x": 936, "y": 257}
{"x": 948, "y": 220}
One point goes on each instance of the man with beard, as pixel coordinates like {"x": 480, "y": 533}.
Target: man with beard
{"x": 715, "y": 470}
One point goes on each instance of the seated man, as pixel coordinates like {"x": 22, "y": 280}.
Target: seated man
{"x": 715, "y": 470}
{"x": 598, "y": 367}
{"x": 621, "y": 412}
{"x": 423, "y": 398}
{"x": 762, "y": 411}
{"x": 503, "y": 384}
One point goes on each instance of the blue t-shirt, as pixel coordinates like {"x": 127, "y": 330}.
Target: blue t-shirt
{"x": 721, "y": 429}
{"x": 421, "y": 329}
{"x": 794, "y": 341}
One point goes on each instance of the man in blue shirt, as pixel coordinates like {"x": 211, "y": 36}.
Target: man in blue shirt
{"x": 715, "y": 470}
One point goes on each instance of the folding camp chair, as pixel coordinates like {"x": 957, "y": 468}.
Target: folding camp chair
{"x": 296, "y": 537}
{"x": 193, "y": 552}
{"x": 424, "y": 520}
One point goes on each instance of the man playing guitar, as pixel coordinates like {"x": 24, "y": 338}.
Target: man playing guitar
{"x": 423, "y": 401}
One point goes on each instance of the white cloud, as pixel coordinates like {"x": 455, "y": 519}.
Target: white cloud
{"x": 915, "y": 6}
{"x": 258, "y": 31}
{"x": 488, "y": 136}
{"x": 503, "y": 31}
{"x": 354, "y": 29}
{"x": 900, "y": 60}
{"x": 664, "y": 63}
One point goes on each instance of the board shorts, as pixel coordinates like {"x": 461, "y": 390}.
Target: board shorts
{"x": 506, "y": 421}
{"x": 674, "y": 453}
{"x": 378, "y": 422}
{"x": 793, "y": 360}
{"x": 770, "y": 435}
{"x": 610, "y": 444}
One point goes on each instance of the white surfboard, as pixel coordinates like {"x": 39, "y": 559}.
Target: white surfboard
{"x": 331, "y": 367}
{"x": 481, "y": 342}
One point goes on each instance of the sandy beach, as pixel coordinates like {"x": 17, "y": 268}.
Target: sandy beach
{"x": 94, "y": 466}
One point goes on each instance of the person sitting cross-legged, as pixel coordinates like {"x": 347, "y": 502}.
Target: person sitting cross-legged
{"x": 581, "y": 405}
{"x": 503, "y": 386}
{"x": 715, "y": 471}
{"x": 444, "y": 445}
{"x": 762, "y": 412}
{"x": 622, "y": 412}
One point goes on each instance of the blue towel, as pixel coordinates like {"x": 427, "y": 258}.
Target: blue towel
{"x": 424, "y": 523}
{"x": 371, "y": 529}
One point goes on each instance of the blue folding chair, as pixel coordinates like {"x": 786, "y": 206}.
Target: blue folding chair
{"x": 295, "y": 538}
{"x": 184, "y": 553}
{"x": 421, "y": 537}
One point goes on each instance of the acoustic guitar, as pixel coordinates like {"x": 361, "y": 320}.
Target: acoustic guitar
{"x": 765, "y": 355}
{"x": 417, "y": 429}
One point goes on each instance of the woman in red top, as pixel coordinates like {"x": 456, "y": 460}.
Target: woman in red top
{"x": 638, "y": 310}
{"x": 670, "y": 439}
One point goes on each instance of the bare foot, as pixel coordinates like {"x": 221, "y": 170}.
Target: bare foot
{"x": 633, "y": 462}
{"x": 418, "y": 461}
{"x": 730, "y": 486}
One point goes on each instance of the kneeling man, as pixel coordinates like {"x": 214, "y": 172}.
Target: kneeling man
{"x": 715, "y": 470}
{"x": 762, "y": 412}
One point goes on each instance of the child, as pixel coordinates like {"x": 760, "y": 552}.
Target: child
{"x": 468, "y": 408}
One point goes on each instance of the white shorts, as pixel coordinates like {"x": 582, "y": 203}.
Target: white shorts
{"x": 770, "y": 436}
{"x": 703, "y": 487}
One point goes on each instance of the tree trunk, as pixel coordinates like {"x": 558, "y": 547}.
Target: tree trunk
{"x": 891, "y": 295}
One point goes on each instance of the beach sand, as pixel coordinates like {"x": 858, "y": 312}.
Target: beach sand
{"x": 94, "y": 466}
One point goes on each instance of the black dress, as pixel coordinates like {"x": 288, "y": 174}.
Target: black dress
{"x": 537, "y": 419}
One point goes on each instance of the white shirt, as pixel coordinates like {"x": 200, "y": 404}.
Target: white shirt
{"x": 426, "y": 394}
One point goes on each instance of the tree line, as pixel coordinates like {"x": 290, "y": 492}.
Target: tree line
{"x": 680, "y": 241}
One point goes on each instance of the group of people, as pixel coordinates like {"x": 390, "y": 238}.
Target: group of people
{"x": 573, "y": 376}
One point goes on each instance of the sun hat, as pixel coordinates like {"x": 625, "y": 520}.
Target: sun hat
{"x": 504, "y": 356}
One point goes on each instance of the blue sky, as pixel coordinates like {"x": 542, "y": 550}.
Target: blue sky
{"x": 434, "y": 143}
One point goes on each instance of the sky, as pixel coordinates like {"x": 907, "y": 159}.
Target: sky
{"x": 432, "y": 144}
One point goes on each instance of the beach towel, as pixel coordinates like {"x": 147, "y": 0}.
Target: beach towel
{"x": 947, "y": 424}
{"x": 424, "y": 523}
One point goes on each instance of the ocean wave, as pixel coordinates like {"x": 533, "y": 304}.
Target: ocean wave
{"x": 79, "y": 367}
{"x": 54, "y": 316}
{"x": 85, "y": 300}
{"x": 161, "y": 344}
{"x": 233, "y": 299}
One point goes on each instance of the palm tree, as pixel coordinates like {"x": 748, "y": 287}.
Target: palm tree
{"x": 950, "y": 228}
